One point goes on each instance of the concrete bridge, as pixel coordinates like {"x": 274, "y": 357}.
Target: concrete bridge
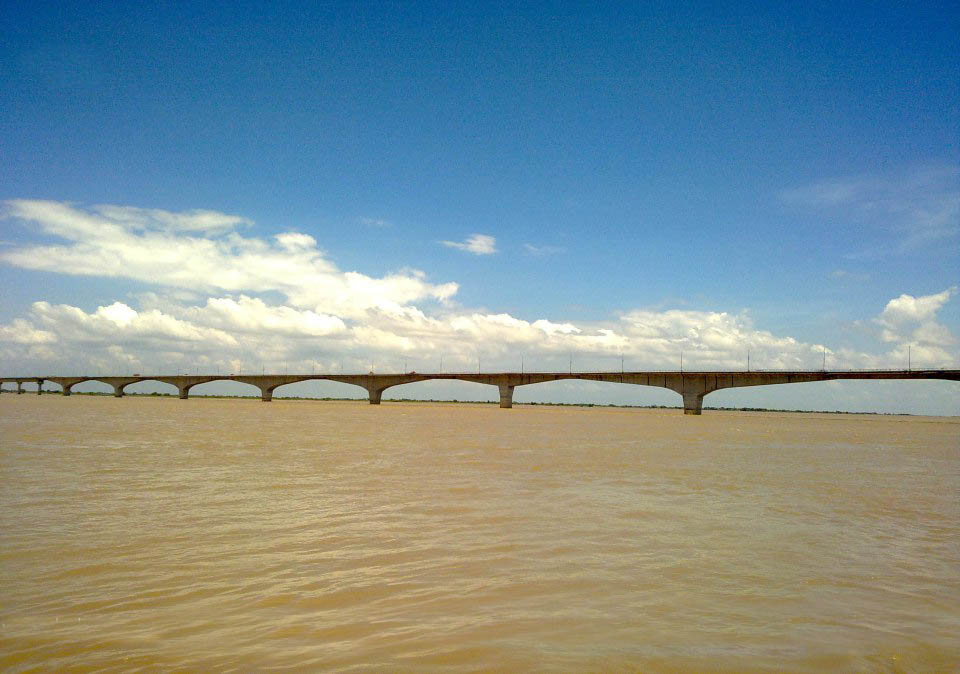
{"x": 692, "y": 386}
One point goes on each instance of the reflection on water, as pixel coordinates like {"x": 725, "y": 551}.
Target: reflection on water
{"x": 213, "y": 534}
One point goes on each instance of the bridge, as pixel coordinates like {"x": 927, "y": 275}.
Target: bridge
{"x": 692, "y": 386}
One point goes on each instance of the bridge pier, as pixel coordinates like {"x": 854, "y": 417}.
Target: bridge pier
{"x": 692, "y": 403}
{"x": 690, "y": 386}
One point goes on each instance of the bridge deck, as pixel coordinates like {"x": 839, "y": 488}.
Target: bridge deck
{"x": 692, "y": 386}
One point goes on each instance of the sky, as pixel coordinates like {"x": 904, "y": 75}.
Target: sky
{"x": 297, "y": 187}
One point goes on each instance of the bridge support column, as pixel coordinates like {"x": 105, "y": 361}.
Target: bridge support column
{"x": 375, "y": 394}
{"x": 266, "y": 395}
{"x": 39, "y": 386}
{"x": 19, "y": 388}
{"x": 118, "y": 391}
{"x": 693, "y": 403}
{"x": 184, "y": 390}
{"x": 506, "y": 396}
{"x": 66, "y": 390}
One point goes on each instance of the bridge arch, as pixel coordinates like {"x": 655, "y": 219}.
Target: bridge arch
{"x": 21, "y": 382}
{"x": 104, "y": 386}
{"x": 575, "y": 390}
{"x": 319, "y": 387}
{"x": 572, "y": 387}
{"x": 446, "y": 388}
{"x": 219, "y": 386}
{"x": 890, "y": 396}
{"x": 134, "y": 387}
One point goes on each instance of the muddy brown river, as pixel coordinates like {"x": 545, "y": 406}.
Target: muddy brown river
{"x": 217, "y": 535}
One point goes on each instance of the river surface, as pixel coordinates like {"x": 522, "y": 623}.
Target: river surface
{"x": 220, "y": 535}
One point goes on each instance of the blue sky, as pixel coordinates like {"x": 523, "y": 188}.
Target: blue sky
{"x": 650, "y": 178}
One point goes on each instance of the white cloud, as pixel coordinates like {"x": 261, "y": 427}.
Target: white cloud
{"x": 376, "y": 222}
{"x": 229, "y": 329}
{"x": 253, "y": 315}
{"x": 23, "y": 332}
{"x": 717, "y": 340}
{"x": 921, "y": 206}
{"x": 119, "y": 323}
{"x": 118, "y": 313}
{"x": 197, "y": 220}
{"x": 478, "y": 244}
{"x": 910, "y": 323}
{"x": 193, "y": 251}
{"x": 907, "y": 308}
{"x": 543, "y": 251}
{"x": 205, "y": 309}
{"x": 296, "y": 241}
{"x": 844, "y": 275}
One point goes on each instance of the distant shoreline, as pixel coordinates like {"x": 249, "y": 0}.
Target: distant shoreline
{"x": 493, "y": 402}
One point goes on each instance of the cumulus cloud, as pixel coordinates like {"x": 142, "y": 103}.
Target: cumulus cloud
{"x": 24, "y": 332}
{"x": 478, "y": 244}
{"x": 199, "y": 251}
{"x": 247, "y": 329}
{"x": 910, "y": 323}
{"x": 910, "y": 309}
{"x": 226, "y": 300}
{"x": 253, "y": 315}
{"x": 120, "y": 324}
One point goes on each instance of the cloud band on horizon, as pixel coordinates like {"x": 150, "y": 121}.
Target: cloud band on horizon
{"x": 329, "y": 315}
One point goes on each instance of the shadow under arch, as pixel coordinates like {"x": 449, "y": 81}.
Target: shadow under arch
{"x": 319, "y": 388}
{"x": 225, "y": 387}
{"x": 89, "y": 385}
{"x": 919, "y": 396}
{"x": 577, "y": 391}
{"x": 446, "y": 389}
{"x": 149, "y": 386}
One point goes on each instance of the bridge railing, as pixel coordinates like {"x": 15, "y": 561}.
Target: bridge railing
{"x": 474, "y": 373}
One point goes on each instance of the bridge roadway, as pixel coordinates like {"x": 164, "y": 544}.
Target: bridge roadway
{"x": 692, "y": 386}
